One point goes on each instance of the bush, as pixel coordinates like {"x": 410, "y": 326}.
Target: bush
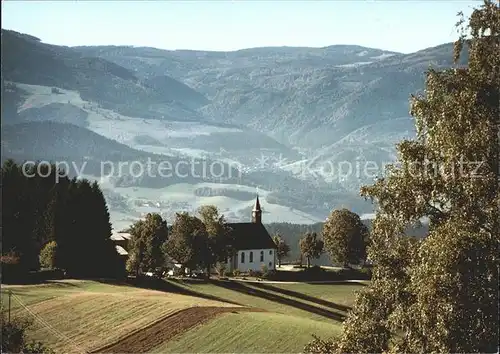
{"x": 254, "y": 273}
{"x": 12, "y": 269}
{"x": 48, "y": 255}
{"x": 220, "y": 268}
{"x": 14, "y": 338}
{"x": 314, "y": 270}
{"x": 366, "y": 271}
{"x": 236, "y": 273}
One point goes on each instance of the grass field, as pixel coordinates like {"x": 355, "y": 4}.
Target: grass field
{"x": 92, "y": 314}
{"x": 87, "y": 315}
{"x": 250, "y": 332}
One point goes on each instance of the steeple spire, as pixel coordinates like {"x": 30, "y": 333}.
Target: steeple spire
{"x": 257, "y": 212}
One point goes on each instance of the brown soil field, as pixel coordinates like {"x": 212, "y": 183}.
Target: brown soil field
{"x": 152, "y": 336}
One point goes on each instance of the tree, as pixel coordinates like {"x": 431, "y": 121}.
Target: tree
{"x": 147, "y": 251}
{"x": 311, "y": 246}
{"x": 48, "y": 255}
{"x": 188, "y": 242}
{"x": 43, "y": 205}
{"x": 219, "y": 242}
{"x": 282, "y": 248}
{"x": 439, "y": 294}
{"x": 345, "y": 237}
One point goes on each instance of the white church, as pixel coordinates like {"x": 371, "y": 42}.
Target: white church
{"x": 255, "y": 247}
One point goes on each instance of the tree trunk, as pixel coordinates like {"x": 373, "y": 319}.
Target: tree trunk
{"x": 279, "y": 262}
{"x": 308, "y": 262}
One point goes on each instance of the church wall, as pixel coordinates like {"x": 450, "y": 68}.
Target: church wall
{"x": 256, "y": 265}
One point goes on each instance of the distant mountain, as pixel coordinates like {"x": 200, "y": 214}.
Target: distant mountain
{"x": 288, "y": 117}
{"x": 27, "y": 60}
{"x": 310, "y": 97}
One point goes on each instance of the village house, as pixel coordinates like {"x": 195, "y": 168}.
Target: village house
{"x": 255, "y": 249}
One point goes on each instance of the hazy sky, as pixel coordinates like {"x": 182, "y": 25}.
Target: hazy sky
{"x": 403, "y": 26}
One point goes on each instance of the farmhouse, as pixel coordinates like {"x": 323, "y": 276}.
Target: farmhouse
{"x": 254, "y": 246}
{"x": 121, "y": 240}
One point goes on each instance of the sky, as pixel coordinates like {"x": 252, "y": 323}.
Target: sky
{"x": 402, "y": 26}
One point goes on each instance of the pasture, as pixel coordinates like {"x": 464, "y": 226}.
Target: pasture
{"x": 181, "y": 316}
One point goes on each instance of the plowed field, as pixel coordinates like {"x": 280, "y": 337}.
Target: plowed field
{"x": 161, "y": 331}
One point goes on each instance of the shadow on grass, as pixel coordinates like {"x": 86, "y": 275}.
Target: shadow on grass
{"x": 336, "y": 282}
{"x": 166, "y": 286}
{"x": 240, "y": 287}
{"x": 303, "y": 296}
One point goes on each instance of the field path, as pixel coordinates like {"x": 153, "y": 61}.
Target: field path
{"x": 152, "y": 336}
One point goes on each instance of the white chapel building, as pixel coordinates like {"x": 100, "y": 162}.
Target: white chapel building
{"x": 254, "y": 246}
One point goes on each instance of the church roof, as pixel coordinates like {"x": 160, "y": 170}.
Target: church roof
{"x": 250, "y": 235}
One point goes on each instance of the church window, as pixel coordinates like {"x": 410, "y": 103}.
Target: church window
{"x": 271, "y": 252}
{"x": 262, "y": 256}
{"x": 270, "y": 264}
{"x": 242, "y": 257}
{"x": 251, "y": 257}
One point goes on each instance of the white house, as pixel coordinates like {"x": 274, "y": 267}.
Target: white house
{"x": 255, "y": 247}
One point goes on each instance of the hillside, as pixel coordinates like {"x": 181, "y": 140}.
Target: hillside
{"x": 25, "y": 59}
{"x": 177, "y": 316}
{"x": 303, "y": 96}
{"x": 328, "y": 103}
{"x": 287, "y": 119}
{"x": 130, "y": 193}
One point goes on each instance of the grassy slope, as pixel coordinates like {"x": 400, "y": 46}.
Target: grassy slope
{"x": 93, "y": 314}
{"x": 287, "y": 329}
{"x": 250, "y": 332}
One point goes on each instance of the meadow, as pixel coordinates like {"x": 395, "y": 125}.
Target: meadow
{"x": 182, "y": 316}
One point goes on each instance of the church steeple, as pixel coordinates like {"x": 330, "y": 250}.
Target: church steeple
{"x": 257, "y": 212}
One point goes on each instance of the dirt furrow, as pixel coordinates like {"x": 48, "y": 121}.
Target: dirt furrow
{"x": 164, "y": 330}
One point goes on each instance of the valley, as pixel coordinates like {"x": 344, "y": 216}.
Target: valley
{"x": 299, "y": 126}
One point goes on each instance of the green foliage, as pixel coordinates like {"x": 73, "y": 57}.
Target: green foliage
{"x": 14, "y": 337}
{"x": 188, "y": 242}
{"x": 219, "y": 238}
{"x": 346, "y": 237}
{"x": 319, "y": 346}
{"x": 72, "y": 213}
{"x": 220, "y": 268}
{"x": 264, "y": 270}
{"x": 439, "y": 294}
{"x": 147, "y": 247}
{"x": 48, "y": 255}
{"x": 311, "y": 246}
{"x": 283, "y": 249}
